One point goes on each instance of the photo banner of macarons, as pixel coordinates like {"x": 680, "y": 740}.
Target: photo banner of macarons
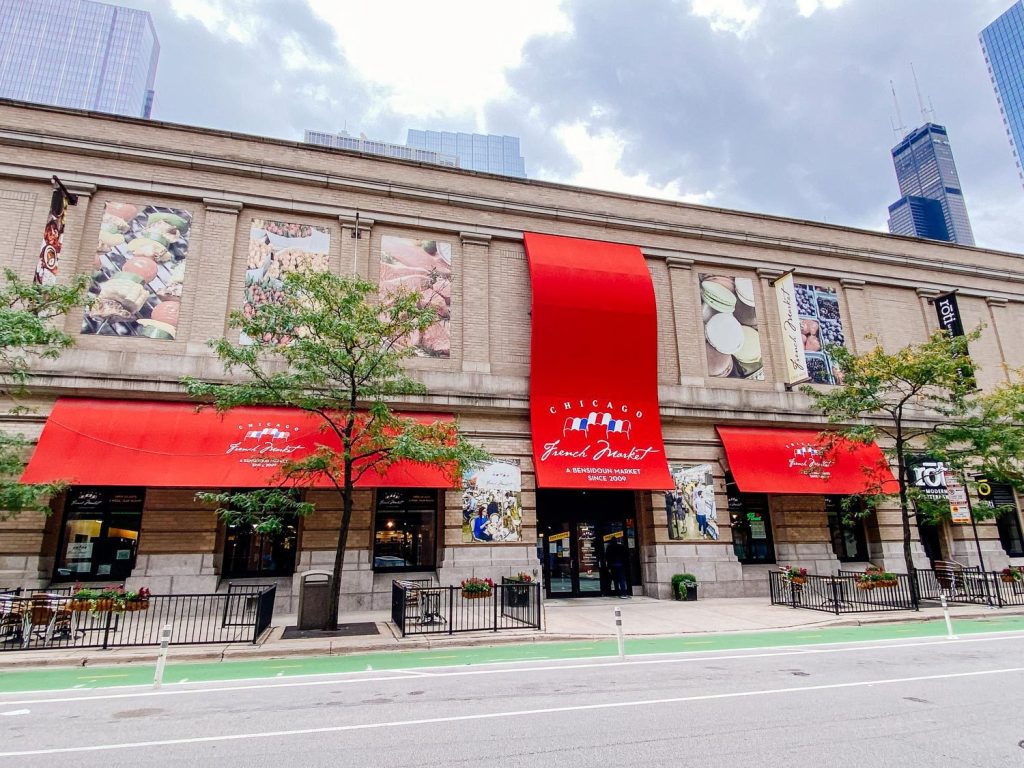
{"x": 732, "y": 339}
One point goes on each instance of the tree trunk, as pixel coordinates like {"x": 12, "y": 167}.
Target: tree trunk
{"x": 339, "y": 556}
{"x": 908, "y": 556}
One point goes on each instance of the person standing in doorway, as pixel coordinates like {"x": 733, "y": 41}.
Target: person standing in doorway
{"x": 617, "y": 557}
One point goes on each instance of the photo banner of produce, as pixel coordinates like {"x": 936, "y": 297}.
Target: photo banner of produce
{"x": 731, "y": 339}
{"x": 138, "y": 271}
{"x": 423, "y": 267}
{"x": 691, "y": 510}
{"x": 492, "y": 505}
{"x": 820, "y": 325}
{"x": 275, "y": 249}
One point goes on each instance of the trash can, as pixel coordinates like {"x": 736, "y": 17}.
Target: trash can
{"x": 691, "y": 590}
{"x": 314, "y": 599}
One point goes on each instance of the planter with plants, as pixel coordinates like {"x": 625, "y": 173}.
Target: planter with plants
{"x": 793, "y": 575}
{"x": 1012, "y": 575}
{"x": 875, "y": 578}
{"x": 684, "y": 586}
{"x": 113, "y": 598}
{"x": 474, "y": 588}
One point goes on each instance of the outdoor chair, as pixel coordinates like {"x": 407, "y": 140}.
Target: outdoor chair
{"x": 11, "y": 621}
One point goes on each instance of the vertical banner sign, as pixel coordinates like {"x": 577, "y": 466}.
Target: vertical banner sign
{"x": 53, "y": 240}
{"x": 792, "y": 338}
{"x": 948, "y": 312}
{"x": 594, "y": 413}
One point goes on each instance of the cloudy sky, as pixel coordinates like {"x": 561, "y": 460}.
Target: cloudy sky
{"x": 773, "y": 106}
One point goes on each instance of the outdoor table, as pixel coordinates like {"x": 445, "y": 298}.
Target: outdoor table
{"x": 25, "y": 604}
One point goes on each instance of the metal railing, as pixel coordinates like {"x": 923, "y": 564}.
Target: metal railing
{"x": 422, "y": 609}
{"x": 31, "y": 622}
{"x": 843, "y": 593}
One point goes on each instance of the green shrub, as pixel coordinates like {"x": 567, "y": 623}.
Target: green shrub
{"x": 679, "y": 583}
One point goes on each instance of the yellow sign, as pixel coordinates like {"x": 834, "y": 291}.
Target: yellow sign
{"x": 557, "y": 536}
{"x": 610, "y": 536}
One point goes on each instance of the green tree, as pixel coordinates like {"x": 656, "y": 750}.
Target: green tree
{"x": 326, "y": 346}
{"x": 922, "y": 399}
{"x": 27, "y": 334}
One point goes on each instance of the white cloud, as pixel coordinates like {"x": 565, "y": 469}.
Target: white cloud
{"x": 222, "y": 17}
{"x": 737, "y": 16}
{"x": 599, "y": 154}
{"x": 445, "y": 58}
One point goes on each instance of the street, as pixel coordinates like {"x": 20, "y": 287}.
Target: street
{"x": 917, "y": 702}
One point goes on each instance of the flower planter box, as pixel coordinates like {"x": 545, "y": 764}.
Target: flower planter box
{"x": 799, "y": 580}
{"x": 1007, "y": 579}
{"x": 475, "y": 595}
{"x": 865, "y": 585}
{"x": 136, "y": 605}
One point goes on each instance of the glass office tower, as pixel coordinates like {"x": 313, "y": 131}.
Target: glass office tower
{"x": 925, "y": 169}
{"x": 476, "y": 151}
{"x": 1002, "y": 43}
{"x": 78, "y": 54}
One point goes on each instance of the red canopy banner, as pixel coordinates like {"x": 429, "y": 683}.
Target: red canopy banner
{"x": 594, "y": 367}
{"x": 798, "y": 461}
{"x": 171, "y": 445}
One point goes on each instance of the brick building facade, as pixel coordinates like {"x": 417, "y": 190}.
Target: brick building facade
{"x": 864, "y": 284}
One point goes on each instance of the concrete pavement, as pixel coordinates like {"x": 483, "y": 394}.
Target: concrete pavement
{"x": 564, "y": 620}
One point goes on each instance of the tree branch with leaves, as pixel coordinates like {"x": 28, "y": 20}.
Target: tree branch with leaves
{"x": 328, "y": 346}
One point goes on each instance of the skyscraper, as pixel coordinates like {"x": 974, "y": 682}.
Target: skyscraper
{"x": 925, "y": 169}
{"x": 78, "y": 54}
{"x": 345, "y": 140}
{"x": 1002, "y": 43}
{"x": 476, "y": 151}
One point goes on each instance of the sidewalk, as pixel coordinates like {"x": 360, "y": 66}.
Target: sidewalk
{"x": 564, "y": 620}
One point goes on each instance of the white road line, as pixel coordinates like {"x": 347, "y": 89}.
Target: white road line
{"x": 415, "y": 673}
{"x": 493, "y": 715}
{"x": 15, "y": 712}
{"x": 443, "y": 672}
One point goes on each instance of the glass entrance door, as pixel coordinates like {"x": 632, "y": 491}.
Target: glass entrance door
{"x": 575, "y": 563}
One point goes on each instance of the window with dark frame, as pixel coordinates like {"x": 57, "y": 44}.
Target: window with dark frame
{"x": 993, "y": 495}
{"x": 251, "y": 554}
{"x": 100, "y": 534}
{"x": 405, "y": 530}
{"x": 848, "y": 540}
{"x": 752, "y": 540}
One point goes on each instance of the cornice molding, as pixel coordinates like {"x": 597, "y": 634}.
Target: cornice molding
{"x": 218, "y": 205}
{"x": 475, "y": 238}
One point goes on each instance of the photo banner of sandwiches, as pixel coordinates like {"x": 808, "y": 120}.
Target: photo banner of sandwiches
{"x": 277, "y": 248}
{"x": 138, "y": 271}
{"x": 820, "y": 326}
{"x": 731, "y": 339}
{"x": 423, "y": 267}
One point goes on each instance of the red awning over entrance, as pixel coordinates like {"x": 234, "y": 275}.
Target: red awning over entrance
{"x": 170, "y": 445}
{"x": 594, "y": 367}
{"x": 765, "y": 460}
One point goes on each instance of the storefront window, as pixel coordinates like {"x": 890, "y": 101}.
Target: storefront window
{"x": 100, "y": 536}
{"x": 994, "y": 495}
{"x": 248, "y": 553}
{"x": 751, "y": 525}
{"x": 848, "y": 540}
{"x": 404, "y": 531}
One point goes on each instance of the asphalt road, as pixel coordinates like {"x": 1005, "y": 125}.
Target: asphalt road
{"x": 921, "y": 702}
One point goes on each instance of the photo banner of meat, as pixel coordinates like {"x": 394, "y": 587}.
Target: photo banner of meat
{"x": 820, "y": 325}
{"x": 492, "y": 504}
{"x": 423, "y": 267}
{"x": 732, "y": 341}
{"x": 690, "y": 506}
{"x": 277, "y": 248}
{"x": 53, "y": 240}
{"x": 138, "y": 271}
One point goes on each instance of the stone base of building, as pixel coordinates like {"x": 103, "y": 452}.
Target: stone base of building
{"x": 488, "y": 562}
{"x": 966, "y": 553}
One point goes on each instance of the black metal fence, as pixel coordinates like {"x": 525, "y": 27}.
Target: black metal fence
{"x": 422, "y": 609}
{"x": 847, "y": 593}
{"x": 840, "y": 594}
{"x": 54, "y": 620}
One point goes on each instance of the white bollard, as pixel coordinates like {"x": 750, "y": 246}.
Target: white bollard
{"x": 165, "y": 641}
{"x": 618, "y": 631}
{"x": 945, "y": 613}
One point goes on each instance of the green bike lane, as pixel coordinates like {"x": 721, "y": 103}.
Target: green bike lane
{"x": 134, "y": 674}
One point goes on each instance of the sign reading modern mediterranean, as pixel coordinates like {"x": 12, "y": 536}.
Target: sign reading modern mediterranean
{"x": 594, "y": 366}
{"x": 792, "y": 338}
{"x": 929, "y": 477}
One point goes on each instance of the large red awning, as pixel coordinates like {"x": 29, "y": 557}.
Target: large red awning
{"x": 594, "y": 367}
{"x": 171, "y": 445}
{"x": 765, "y": 460}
